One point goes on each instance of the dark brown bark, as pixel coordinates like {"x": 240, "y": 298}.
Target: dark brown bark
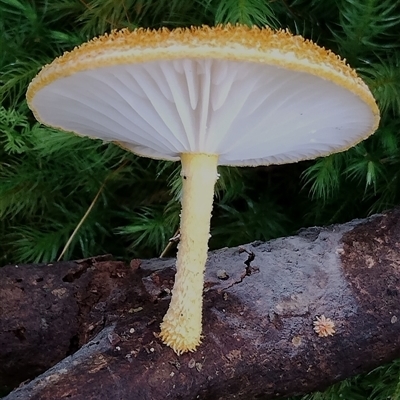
{"x": 258, "y": 323}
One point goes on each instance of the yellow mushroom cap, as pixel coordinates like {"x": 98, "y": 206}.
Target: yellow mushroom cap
{"x": 253, "y": 96}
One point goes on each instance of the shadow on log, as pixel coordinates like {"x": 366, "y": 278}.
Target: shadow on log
{"x": 91, "y": 326}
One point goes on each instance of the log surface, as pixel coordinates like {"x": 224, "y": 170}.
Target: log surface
{"x": 91, "y": 326}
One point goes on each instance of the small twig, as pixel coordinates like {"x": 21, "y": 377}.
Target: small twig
{"x": 171, "y": 242}
{"x": 71, "y": 238}
{"x": 81, "y": 221}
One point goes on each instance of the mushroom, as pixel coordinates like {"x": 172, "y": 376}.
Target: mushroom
{"x": 226, "y": 95}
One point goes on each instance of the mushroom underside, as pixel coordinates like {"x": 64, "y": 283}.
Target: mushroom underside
{"x": 247, "y": 113}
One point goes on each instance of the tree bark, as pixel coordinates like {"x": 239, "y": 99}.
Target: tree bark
{"x": 95, "y": 322}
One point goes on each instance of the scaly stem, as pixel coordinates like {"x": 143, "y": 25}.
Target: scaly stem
{"x": 181, "y": 326}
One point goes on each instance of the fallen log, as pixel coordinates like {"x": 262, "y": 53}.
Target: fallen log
{"x": 93, "y": 324}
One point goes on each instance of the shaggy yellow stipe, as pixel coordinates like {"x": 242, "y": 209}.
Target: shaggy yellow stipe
{"x": 181, "y": 326}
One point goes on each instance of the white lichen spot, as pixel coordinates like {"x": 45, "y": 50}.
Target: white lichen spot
{"x": 369, "y": 261}
{"x": 199, "y": 366}
{"x": 394, "y": 319}
{"x": 222, "y": 274}
{"x": 296, "y": 341}
{"x": 59, "y": 292}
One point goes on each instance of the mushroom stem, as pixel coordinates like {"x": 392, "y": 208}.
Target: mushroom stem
{"x": 181, "y": 326}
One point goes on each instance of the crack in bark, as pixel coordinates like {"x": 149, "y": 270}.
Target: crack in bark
{"x": 249, "y": 270}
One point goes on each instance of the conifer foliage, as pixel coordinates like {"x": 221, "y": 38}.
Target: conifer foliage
{"x": 67, "y": 197}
